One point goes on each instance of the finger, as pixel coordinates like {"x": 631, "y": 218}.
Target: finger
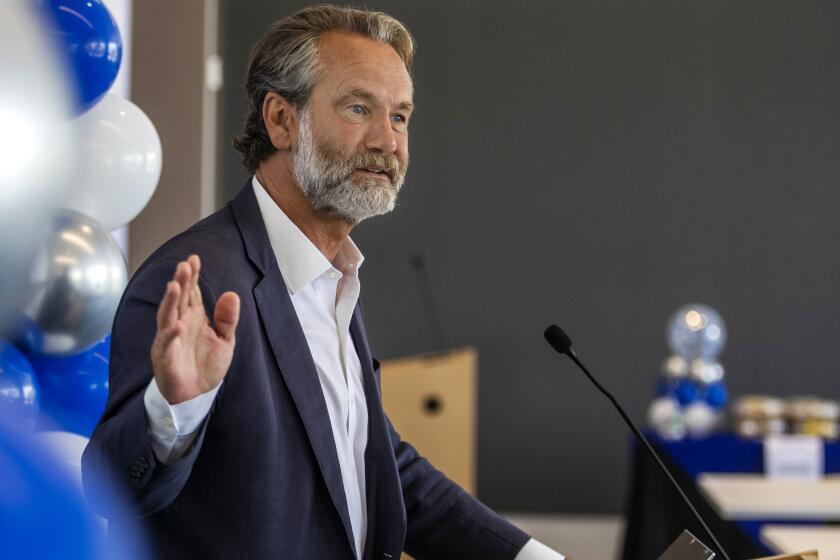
{"x": 226, "y": 316}
{"x": 195, "y": 291}
{"x": 182, "y": 276}
{"x": 166, "y": 336}
{"x": 167, "y": 313}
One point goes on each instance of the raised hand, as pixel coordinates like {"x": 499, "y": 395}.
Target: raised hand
{"x": 189, "y": 355}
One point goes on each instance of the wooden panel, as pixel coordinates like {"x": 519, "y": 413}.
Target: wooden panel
{"x": 431, "y": 401}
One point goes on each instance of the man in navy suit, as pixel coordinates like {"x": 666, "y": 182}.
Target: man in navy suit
{"x": 259, "y": 433}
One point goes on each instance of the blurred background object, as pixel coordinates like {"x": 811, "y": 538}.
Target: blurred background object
{"x": 37, "y": 146}
{"x": 43, "y": 515}
{"x": 691, "y": 394}
{"x": 20, "y": 397}
{"x": 73, "y": 389}
{"x": 65, "y": 145}
{"x": 42, "y": 512}
{"x": 697, "y": 332}
{"x": 759, "y": 416}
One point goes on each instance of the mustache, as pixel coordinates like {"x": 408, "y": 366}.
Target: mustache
{"x": 387, "y": 163}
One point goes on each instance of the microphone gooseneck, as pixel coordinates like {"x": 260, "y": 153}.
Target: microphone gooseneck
{"x": 562, "y": 343}
{"x": 424, "y": 284}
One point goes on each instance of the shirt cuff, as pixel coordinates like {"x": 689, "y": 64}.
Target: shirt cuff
{"x": 172, "y": 428}
{"x": 535, "y": 550}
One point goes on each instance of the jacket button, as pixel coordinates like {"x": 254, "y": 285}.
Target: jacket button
{"x": 138, "y": 469}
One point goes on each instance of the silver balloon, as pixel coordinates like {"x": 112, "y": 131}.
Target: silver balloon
{"x": 697, "y": 331}
{"x": 706, "y": 372}
{"x": 74, "y": 288}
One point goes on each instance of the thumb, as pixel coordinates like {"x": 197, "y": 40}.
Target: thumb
{"x": 226, "y": 315}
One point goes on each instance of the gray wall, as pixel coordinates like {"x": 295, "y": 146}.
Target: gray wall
{"x": 599, "y": 164}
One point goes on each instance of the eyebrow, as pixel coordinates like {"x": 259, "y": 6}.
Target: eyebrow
{"x": 370, "y": 98}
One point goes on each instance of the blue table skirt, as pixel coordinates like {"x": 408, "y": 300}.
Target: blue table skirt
{"x": 729, "y": 454}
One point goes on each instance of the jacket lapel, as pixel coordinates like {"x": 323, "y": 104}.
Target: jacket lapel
{"x": 385, "y": 509}
{"x": 288, "y": 343}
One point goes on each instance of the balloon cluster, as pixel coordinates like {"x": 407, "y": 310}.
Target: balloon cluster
{"x": 56, "y": 316}
{"x": 691, "y": 393}
{"x": 76, "y": 162}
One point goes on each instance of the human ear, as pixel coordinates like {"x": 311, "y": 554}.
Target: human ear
{"x": 280, "y": 118}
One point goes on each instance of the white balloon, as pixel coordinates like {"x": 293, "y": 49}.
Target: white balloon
{"x": 36, "y": 142}
{"x": 67, "y": 449}
{"x": 700, "y": 419}
{"x": 665, "y": 416}
{"x": 121, "y": 162}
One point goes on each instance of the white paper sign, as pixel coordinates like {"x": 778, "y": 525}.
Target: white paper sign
{"x": 793, "y": 456}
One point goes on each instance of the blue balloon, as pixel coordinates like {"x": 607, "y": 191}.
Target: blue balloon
{"x": 23, "y": 332}
{"x": 42, "y": 514}
{"x": 665, "y": 387}
{"x": 19, "y": 394}
{"x": 74, "y": 389}
{"x": 686, "y": 392}
{"x": 717, "y": 395}
{"x": 90, "y": 40}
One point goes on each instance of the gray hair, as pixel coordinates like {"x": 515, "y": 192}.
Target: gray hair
{"x": 285, "y": 60}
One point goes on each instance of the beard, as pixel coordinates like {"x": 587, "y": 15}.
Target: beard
{"x": 325, "y": 175}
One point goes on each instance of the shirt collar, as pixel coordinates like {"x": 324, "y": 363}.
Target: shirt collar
{"x": 299, "y": 260}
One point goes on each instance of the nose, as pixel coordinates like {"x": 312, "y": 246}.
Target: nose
{"x": 381, "y": 137}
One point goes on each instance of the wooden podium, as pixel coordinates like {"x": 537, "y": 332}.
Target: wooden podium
{"x": 431, "y": 400}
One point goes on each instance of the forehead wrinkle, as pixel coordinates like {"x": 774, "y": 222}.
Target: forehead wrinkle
{"x": 342, "y": 62}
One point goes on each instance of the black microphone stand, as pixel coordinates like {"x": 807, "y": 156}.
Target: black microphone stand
{"x": 565, "y": 348}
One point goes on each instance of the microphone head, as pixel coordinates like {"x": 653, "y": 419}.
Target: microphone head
{"x": 558, "y": 339}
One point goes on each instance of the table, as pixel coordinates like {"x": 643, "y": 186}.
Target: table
{"x": 754, "y": 496}
{"x": 788, "y": 540}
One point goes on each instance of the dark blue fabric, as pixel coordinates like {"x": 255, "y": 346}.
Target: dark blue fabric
{"x": 725, "y": 453}
{"x": 262, "y": 479}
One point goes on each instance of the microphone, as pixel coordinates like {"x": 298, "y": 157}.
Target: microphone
{"x": 562, "y": 343}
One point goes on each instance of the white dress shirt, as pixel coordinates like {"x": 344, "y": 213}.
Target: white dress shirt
{"x": 324, "y": 296}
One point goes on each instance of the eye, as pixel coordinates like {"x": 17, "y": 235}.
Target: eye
{"x": 357, "y": 109}
{"x": 400, "y": 119}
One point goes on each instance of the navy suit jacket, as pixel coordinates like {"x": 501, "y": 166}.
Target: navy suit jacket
{"x": 262, "y": 480}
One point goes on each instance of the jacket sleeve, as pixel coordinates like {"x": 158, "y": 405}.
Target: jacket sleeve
{"x": 444, "y": 521}
{"x": 119, "y": 458}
